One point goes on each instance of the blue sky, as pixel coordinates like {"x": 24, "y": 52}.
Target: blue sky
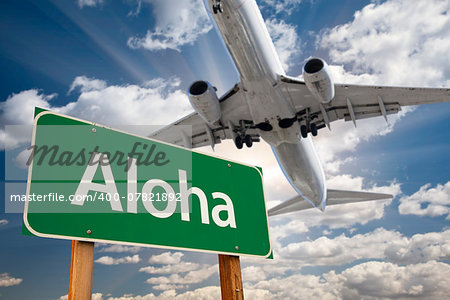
{"x": 131, "y": 62}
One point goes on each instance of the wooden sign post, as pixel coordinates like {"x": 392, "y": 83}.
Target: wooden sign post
{"x": 81, "y": 268}
{"x": 230, "y": 277}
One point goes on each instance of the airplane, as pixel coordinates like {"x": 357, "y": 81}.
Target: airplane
{"x": 282, "y": 110}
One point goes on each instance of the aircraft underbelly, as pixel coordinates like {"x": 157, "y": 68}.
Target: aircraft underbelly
{"x": 303, "y": 169}
{"x": 247, "y": 39}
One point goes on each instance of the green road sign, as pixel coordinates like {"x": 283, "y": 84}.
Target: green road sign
{"x": 93, "y": 183}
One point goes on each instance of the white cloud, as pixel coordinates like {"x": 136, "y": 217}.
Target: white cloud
{"x": 385, "y": 280}
{"x": 7, "y": 280}
{"x": 87, "y": 84}
{"x": 18, "y": 109}
{"x": 95, "y": 296}
{"x": 281, "y": 6}
{"x": 379, "y": 244}
{"x": 117, "y": 248}
{"x": 176, "y": 25}
{"x": 204, "y": 293}
{"x": 428, "y": 201}
{"x": 371, "y": 280}
{"x": 420, "y": 248}
{"x": 108, "y": 260}
{"x": 285, "y": 39}
{"x": 89, "y": 3}
{"x": 3, "y": 222}
{"x": 180, "y": 267}
{"x": 166, "y": 258}
{"x": 192, "y": 277}
{"x": 393, "y": 43}
{"x": 399, "y": 43}
{"x": 135, "y": 12}
{"x": 130, "y": 104}
{"x": 164, "y": 287}
{"x": 253, "y": 274}
{"x": 108, "y": 105}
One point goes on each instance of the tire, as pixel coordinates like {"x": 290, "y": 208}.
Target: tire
{"x": 304, "y": 131}
{"x": 313, "y": 129}
{"x": 238, "y": 142}
{"x": 248, "y": 141}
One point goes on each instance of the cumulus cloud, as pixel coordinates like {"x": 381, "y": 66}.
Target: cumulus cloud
{"x": 285, "y": 39}
{"x": 191, "y": 277}
{"x": 381, "y": 45}
{"x": 87, "y": 84}
{"x": 176, "y": 25}
{"x": 117, "y": 248}
{"x": 181, "y": 267}
{"x": 89, "y": 3}
{"x": 420, "y": 248}
{"x": 168, "y": 258}
{"x": 371, "y": 280}
{"x": 253, "y": 274}
{"x": 180, "y": 274}
{"x": 95, "y": 296}
{"x": 204, "y": 293}
{"x": 393, "y": 38}
{"x": 108, "y": 260}
{"x": 428, "y": 201}
{"x": 386, "y": 280}
{"x": 380, "y": 244}
{"x": 164, "y": 287}
{"x": 7, "y": 280}
{"x": 18, "y": 109}
{"x": 98, "y": 102}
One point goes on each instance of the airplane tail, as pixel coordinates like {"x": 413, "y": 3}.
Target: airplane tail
{"x": 334, "y": 197}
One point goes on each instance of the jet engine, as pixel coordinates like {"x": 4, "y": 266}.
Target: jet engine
{"x": 204, "y": 100}
{"x": 318, "y": 80}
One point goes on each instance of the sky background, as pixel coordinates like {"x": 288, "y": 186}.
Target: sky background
{"x": 131, "y": 62}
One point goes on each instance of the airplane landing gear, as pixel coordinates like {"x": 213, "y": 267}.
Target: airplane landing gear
{"x": 239, "y": 141}
{"x": 239, "y": 134}
{"x": 248, "y": 141}
{"x": 217, "y": 7}
{"x": 304, "y": 131}
{"x": 312, "y": 128}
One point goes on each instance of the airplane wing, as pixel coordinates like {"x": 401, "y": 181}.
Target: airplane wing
{"x": 334, "y": 197}
{"x": 191, "y": 131}
{"x": 354, "y": 102}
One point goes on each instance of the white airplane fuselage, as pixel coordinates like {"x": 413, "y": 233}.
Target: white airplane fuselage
{"x": 248, "y": 41}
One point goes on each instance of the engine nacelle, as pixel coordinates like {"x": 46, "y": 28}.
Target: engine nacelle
{"x": 204, "y": 100}
{"x": 318, "y": 80}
